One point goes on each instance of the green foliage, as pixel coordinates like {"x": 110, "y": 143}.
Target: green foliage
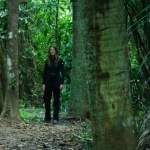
{"x": 37, "y": 28}
{"x": 85, "y": 135}
{"x": 138, "y": 31}
{"x": 65, "y": 96}
{"x": 86, "y": 130}
{"x": 31, "y": 115}
{"x": 3, "y": 15}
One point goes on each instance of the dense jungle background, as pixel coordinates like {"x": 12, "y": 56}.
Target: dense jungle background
{"x": 72, "y": 25}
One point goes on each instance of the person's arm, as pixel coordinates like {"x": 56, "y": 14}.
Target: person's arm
{"x": 44, "y": 76}
{"x": 62, "y": 74}
{"x": 62, "y": 71}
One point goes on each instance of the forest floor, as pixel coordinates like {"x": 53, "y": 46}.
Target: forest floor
{"x": 68, "y": 134}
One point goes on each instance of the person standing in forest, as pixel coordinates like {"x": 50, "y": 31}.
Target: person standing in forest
{"x": 53, "y": 80}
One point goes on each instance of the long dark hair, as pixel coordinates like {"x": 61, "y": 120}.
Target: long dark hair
{"x": 56, "y": 57}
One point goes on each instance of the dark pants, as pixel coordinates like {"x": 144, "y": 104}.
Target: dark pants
{"x": 49, "y": 90}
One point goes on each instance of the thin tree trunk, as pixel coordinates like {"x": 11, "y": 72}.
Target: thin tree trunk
{"x": 3, "y": 77}
{"x": 12, "y": 58}
{"x": 56, "y": 26}
{"x": 147, "y": 24}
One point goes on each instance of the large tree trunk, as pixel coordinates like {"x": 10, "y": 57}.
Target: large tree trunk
{"x": 108, "y": 76}
{"x": 12, "y": 58}
{"x": 79, "y": 101}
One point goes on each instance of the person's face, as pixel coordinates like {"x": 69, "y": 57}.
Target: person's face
{"x": 52, "y": 51}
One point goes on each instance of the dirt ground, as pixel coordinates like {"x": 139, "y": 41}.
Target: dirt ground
{"x": 65, "y": 135}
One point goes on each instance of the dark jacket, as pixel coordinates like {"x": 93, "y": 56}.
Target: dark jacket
{"x": 53, "y": 72}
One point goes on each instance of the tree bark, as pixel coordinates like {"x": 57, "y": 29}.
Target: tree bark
{"x": 79, "y": 101}
{"x": 108, "y": 76}
{"x": 3, "y": 78}
{"x": 12, "y": 58}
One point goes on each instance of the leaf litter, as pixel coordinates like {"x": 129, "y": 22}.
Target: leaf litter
{"x": 38, "y": 136}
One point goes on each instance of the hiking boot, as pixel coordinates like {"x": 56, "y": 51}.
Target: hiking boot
{"x": 55, "y": 122}
{"x": 46, "y": 121}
